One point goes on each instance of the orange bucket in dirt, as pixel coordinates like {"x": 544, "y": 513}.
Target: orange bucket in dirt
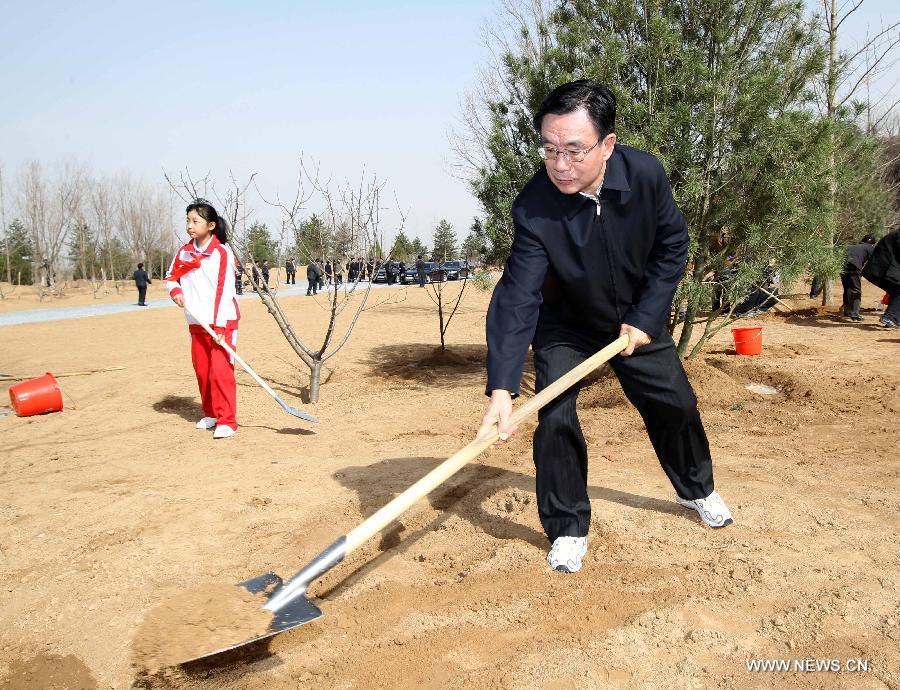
{"x": 36, "y": 396}
{"x": 747, "y": 341}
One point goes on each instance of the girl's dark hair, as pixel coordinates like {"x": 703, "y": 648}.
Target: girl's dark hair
{"x": 594, "y": 97}
{"x": 208, "y": 213}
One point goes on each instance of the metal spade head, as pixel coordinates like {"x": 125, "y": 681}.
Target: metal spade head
{"x": 299, "y": 611}
{"x": 297, "y": 413}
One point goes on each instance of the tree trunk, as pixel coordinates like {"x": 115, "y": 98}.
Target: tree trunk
{"x": 315, "y": 376}
{"x": 5, "y": 231}
{"x": 693, "y": 305}
{"x": 831, "y": 98}
{"x": 441, "y": 319}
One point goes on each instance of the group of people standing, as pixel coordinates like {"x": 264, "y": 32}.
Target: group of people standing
{"x": 879, "y": 263}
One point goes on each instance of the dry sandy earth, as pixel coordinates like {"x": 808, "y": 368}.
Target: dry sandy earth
{"x": 118, "y": 504}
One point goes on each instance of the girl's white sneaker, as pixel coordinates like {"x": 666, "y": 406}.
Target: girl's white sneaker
{"x": 223, "y": 431}
{"x": 206, "y": 423}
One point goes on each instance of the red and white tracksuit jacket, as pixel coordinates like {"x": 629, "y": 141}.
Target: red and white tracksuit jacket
{"x": 205, "y": 278}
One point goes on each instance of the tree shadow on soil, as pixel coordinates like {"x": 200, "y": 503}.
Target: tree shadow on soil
{"x": 464, "y": 495}
{"x": 818, "y": 317}
{"x": 301, "y": 392}
{"x": 189, "y": 409}
{"x": 424, "y": 363}
{"x": 427, "y": 363}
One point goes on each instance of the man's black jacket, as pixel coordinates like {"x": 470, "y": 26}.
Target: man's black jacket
{"x": 883, "y": 269}
{"x": 571, "y": 270}
{"x": 141, "y": 279}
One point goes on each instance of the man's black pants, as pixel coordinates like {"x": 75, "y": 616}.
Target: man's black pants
{"x": 852, "y": 282}
{"x": 312, "y": 285}
{"x": 654, "y": 381}
{"x": 142, "y": 293}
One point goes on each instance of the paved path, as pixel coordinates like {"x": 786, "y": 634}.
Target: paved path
{"x": 39, "y": 315}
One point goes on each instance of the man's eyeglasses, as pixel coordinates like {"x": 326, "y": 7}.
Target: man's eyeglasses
{"x": 550, "y": 153}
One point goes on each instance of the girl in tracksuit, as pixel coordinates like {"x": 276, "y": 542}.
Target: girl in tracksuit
{"x": 201, "y": 278}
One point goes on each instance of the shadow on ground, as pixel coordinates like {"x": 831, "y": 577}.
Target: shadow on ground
{"x": 819, "y": 317}
{"x": 185, "y": 406}
{"x": 427, "y": 363}
{"x": 464, "y": 495}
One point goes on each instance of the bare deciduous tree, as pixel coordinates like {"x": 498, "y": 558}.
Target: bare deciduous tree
{"x": 351, "y": 226}
{"x": 435, "y": 290}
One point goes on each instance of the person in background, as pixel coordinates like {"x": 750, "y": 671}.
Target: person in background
{"x": 141, "y": 280}
{"x": 420, "y": 270}
{"x": 856, "y": 257}
{"x": 883, "y": 269}
{"x": 265, "y": 272}
{"x": 290, "y": 271}
{"x": 239, "y": 278}
{"x": 201, "y": 278}
{"x": 338, "y": 269}
{"x": 312, "y": 276}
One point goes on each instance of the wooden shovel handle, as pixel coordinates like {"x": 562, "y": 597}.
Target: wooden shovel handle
{"x": 390, "y": 512}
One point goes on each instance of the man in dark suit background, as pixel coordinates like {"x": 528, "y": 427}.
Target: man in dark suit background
{"x": 141, "y": 281}
{"x": 598, "y": 251}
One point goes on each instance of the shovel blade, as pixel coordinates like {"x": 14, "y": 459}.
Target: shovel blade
{"x": 297, "y": 413}
{"x": 293, "y": 615}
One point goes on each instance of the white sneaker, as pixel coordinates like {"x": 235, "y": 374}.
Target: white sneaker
{"x": 712, "y": 509}
{"x": 566, "y": 554}
{"x": 223, "y": 431}
{"x": 207, "y": 423}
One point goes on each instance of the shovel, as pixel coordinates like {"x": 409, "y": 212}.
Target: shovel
{"x": 288, "y": 601}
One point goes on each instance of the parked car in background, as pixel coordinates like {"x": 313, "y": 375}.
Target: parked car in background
{"x": 456, "y": 270}
{"x": 433, "y": 273}
{"x": 380, "y": 276}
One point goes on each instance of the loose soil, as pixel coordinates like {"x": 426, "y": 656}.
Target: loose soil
{"x": 116, "y": 506}
{"x": 191, "y": 624}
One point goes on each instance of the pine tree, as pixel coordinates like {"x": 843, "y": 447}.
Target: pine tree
{"x": 476, "y": 246}
{"x": 418, "y": 248}
{"x": 259, "y": 244}
{"x": 402, "y": 247}
{"x": 718, "y": 90}
{"x": 444, "y": 241}
{"x": 20, "y": 254}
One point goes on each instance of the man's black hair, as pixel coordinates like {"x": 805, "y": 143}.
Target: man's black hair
{"x": 868, "y": 239}
{"x": 594, "y": 97}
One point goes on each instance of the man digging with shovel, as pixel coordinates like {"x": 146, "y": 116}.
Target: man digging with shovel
{"x": 598, "y": 251}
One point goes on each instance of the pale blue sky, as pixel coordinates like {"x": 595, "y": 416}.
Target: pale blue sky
{"x": 245, "y": 86}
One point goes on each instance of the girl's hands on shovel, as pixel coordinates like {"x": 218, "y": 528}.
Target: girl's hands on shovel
{"x": 498, "y": 413}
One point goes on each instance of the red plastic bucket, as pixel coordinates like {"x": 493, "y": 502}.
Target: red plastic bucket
{"x": 747, "y": 341}
{"x": 36, "y": 396}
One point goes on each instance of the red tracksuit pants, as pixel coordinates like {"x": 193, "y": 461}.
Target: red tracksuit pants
{"x": 215, "y": 374}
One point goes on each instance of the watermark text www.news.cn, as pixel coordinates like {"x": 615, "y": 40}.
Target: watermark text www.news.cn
{"x": 807, "y": 665}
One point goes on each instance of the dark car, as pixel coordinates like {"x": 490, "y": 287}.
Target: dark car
{"x": 432, "y": 274}
{"x": 456, "y": 270}
{"x": 381, "y": 275}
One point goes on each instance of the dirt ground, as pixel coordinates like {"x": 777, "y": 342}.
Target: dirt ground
{"x": 118, "y": 504}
